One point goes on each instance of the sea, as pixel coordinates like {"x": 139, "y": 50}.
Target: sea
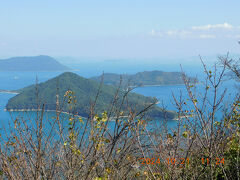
{"x": 164, "y": 93}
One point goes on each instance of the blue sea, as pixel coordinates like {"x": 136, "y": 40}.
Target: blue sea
{"x": 17, "y": 80}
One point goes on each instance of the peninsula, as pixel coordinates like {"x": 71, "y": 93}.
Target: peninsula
{"x": 146, "y": 78}
{"x": 85, "y": 92}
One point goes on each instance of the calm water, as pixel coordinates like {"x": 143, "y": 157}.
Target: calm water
{"x": 16, "y": 80}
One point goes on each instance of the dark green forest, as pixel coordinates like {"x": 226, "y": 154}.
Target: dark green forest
{"x": 85, "y": 91}
{"x": 146, "y": 78}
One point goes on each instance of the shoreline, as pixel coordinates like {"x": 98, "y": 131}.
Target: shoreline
{"x": 9, "y": 92}
{"x": 32, "y": 110}
{"x": 62, "y": 112}
{"x": 162, "y": 85}
{"x": 182, "y": 117}
{"x": 157, "y": 85}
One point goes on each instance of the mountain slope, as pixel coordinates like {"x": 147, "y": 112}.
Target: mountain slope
{"x": 35, "y": 63}
{"x": 85, "y": 92}
{"x": 146, "y": 78}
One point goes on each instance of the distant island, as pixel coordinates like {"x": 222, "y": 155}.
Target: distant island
{"x": 85, "y": 91}
{"x": 146, "y": 78}
{"x": 34, "y": 63}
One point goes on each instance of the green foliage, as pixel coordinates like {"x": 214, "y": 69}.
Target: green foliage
{"x": 85, "y": 93}
{"x": 232, "y": 153}
{"x": 185, "y": 134}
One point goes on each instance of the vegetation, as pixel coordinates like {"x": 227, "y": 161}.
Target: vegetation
{"x": 36, "y": 63}
{"x": 201, "y": 147}
{"x": 85, "y": 91}
{"x": 146, "y": 78}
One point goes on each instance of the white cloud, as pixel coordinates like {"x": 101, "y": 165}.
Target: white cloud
{"x": 213, "y": 26}
{"x": 154, "y": 33}
{"x": 172, "y": 33}
{"x": 211, "y": 31}
{"x": 181, "y": 33}
{"x": 207, "y": 36}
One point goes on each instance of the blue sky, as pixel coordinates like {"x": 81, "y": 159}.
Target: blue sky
{"x": 119, "y": 29}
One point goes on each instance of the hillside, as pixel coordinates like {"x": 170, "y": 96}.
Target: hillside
{"x": 35, "y": 63}
{"x": 85, "y": 92}
{"x": 146, "y": 78}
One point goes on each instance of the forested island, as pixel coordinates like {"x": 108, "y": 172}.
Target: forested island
{"x": 85, "y": 92}
{"x": 34, "y": 63}
{"x": 146, "y": 78}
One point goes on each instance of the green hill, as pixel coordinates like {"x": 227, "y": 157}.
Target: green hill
{"x": 35, "y": 63}
{"x": 85, "y": 92}
{"x": 146, "y": 78}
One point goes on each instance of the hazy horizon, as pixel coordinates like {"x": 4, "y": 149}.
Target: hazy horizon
{"x": 126, "y": 29}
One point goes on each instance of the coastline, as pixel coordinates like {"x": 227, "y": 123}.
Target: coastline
{"x": 182, "y": 117}
{"x": 32, "y": 110}
{"x": 157, "y": 85}
{"x": 8, "y": 92}
{"x": 161, "y": 85}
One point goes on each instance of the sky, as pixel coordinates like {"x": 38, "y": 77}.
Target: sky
{"x": 119, "y": 29}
